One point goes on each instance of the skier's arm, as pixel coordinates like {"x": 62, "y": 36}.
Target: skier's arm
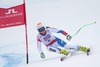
{"x": 62, "y": 32}
{"x": 68, "y": 37}
{"x": 57, "y": 31}
{"x": 39, "y": 48}
{"x": 39, "y": 45}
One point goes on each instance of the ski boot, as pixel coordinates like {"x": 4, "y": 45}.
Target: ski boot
{"x": 85, "y": 49}
{"x": 64, "y": 52}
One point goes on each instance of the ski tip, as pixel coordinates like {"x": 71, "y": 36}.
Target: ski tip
{"x": 89, "y": 50}
{"x": 61, "y": 59}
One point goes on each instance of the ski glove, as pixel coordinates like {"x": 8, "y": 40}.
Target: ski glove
{"x": 68, "y": 37}
{"x": 42, "y": 55}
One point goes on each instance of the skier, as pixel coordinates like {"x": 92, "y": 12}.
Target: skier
{"x": 53, "y": 43}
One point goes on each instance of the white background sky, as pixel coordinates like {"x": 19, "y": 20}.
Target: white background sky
{"x": 68, "y": 15}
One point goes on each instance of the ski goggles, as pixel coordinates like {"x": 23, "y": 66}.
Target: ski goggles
{"x": 41, "y": 29}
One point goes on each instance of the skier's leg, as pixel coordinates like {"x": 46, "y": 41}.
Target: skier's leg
{"x": 77, "y": 48}
{"x": 72, "y": 47}
{"x": 58, "y": 50}
{"x": 65, "y": 45}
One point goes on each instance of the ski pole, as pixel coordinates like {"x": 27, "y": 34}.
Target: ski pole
{"x": 83, "y": 27}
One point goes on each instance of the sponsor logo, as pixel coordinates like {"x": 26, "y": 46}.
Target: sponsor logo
{"x": 11, "y": 13}
{"x": 47, "y": 37}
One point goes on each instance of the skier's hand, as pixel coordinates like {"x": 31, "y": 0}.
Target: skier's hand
{"x": 68, "y": 37}
{"x": 42, "y": 55}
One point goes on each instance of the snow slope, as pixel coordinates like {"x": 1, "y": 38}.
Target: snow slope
{"x": 68, "y": 15}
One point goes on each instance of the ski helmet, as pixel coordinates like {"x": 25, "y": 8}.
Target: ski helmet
{"x": 40, "y": 27}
